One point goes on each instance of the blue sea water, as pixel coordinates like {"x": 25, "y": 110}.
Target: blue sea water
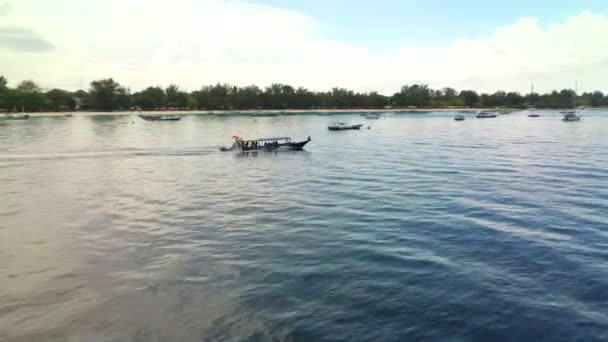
{"x": 419, "y": 228}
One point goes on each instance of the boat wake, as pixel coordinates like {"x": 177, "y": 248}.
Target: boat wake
{"x": 111, "y": 154}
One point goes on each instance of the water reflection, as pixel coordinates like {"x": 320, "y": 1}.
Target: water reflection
{"x": 114, "y": 228}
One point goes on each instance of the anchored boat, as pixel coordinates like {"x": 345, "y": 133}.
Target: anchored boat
{"x": 459, "y": 117}
{"x": 160, "y": 118}
{"x": 22, "y": 116}
{"x": 16, "y": 117}
{"x": 485, "y": 115}
{"x": 264, "y": 144}
{"x": 341, "y": 126}
{"x": 570, "y": 115}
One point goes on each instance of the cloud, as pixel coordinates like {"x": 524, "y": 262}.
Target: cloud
{"x": 199, "y": 42}
{"x": 23, "y": 39}
{"x": 5, "y": 8}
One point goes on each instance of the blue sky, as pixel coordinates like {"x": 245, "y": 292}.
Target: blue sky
{"x": 382, "y": 23}
{"x": 319, "y": 44}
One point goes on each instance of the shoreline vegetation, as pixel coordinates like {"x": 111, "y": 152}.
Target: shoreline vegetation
{"x": 275, "y": 112}
{"x": 107, "y": 97}
{"x": 255, "y": 112}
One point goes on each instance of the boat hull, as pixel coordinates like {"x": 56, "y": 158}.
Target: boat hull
{"x": 17, "y": 117}
{"x": 343, "y": 128}
{"x": 290, "y": 146}
{"x": 159, "y": 118}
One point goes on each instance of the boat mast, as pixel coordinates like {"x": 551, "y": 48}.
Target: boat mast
{"x": 575, "y": 92}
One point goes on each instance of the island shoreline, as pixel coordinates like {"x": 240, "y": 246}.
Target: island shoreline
{"x": 262, "y": 112}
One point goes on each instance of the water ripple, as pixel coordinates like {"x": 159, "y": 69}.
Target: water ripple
{"x": 417, "y": 229}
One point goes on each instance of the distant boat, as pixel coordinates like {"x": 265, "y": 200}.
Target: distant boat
{"x": 372, "y": 116}
{"x": 266, "y": 114}
{"x": 570, "y": 116}
{"x": 160, "y": 118}
{"x": 533, "y": 115}
{"x": 16, "y": 117}
{"x": 22, "y": 116}
{"x": 264, "y": 144}
{"x": 341, "y": 126}
{"x": 459, "y": 117}
{"x": 485, "y": 115}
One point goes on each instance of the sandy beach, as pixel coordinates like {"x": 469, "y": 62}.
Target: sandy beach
{"x": 254, "y": 112}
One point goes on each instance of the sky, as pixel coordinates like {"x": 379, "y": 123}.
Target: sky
{"x": 319, "y": 44}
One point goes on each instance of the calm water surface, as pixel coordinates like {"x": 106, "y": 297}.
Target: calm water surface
{"x": 421, "y": 228}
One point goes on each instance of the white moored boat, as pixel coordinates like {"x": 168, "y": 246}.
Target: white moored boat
{"x": 485, "y": 115}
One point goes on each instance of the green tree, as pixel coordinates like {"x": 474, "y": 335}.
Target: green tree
{"x": 532, "y": 99}
{"x": 81, "y": 99}
{"x": 58, "y": 100}
{"x": 108, "y": 95}
{"x": 596, "y": 99}
{"x": 150, "y": 98}
{"x": 29, "y": 86}
{"x": 469, "y": 97}
{"x": 3, "y": 84}
{"x": 417, "y": 95}
{"x": 192, "y": 103}
{"x": 175, "y": 97}
{"x": 514, "y": 100}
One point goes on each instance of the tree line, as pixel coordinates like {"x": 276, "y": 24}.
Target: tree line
{"x": 108, "y": 95}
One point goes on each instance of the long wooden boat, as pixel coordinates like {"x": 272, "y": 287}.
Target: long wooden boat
{"x": 160, "y": 118}
{"x": 485, "y": 115}
{"x": 571, "y": 115}
{"x": 341, "y": 126}
{"x": 264, "y": 144}
{"x": 16, "y": 117}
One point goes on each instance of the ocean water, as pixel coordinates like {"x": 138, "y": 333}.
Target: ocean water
{"x": 419, "y": 228}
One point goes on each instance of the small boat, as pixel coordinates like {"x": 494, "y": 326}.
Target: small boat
{"x": 16, "y": 117}
{"x": 372, "y": 116}
{"x": 570, "y": 115}
{"x": 533, "y": 115}
{"x": 485, "y": 115}
{"x": 264, "y": 144}
{"x": 263, "y": 115}
{"x": 459, "y": 117}
{"x": 341, "y": 126}
{"x": 22, "y": 116}
{"x": 160, "y": 118}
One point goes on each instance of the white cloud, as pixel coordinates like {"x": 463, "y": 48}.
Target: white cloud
{"x": 199, "y": 42}
{"x": 5, "y": 8}
{"x": 23, "y": 39}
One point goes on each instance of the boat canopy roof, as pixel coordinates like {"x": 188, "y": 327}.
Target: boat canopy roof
{"x": 268, "y": 139}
